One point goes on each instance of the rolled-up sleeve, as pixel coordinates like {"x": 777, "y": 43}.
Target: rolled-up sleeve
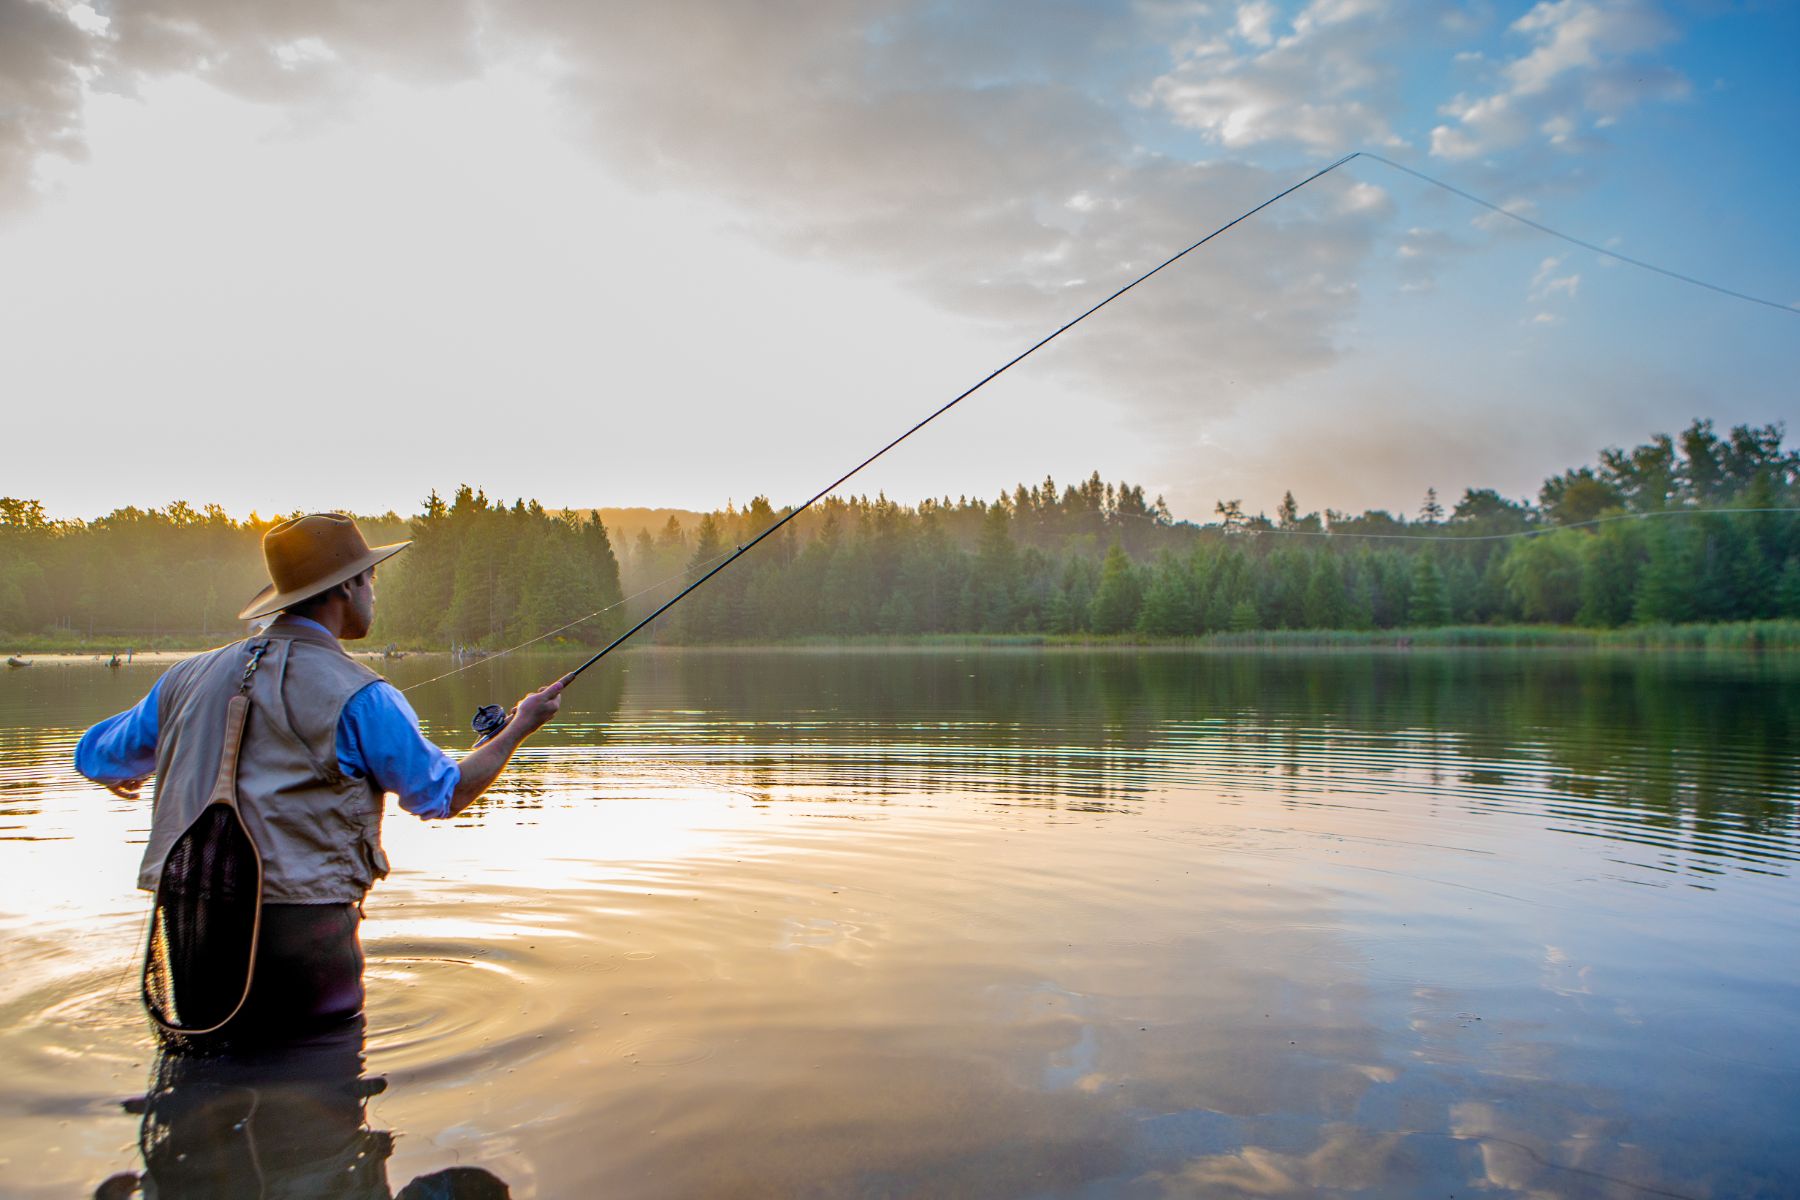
{"x": 121, "y": 747}
{"x": 379, "y": 738}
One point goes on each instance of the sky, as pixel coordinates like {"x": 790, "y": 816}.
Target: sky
{"x": 287, "y": 256}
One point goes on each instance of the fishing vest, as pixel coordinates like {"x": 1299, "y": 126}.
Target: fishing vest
{"x": 318, "y": 830}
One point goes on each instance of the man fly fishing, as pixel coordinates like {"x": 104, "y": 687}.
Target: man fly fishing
{"x": 273, "y": 756}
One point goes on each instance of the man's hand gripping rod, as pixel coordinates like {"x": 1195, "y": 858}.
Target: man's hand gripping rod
{"x": 490, "y": 719}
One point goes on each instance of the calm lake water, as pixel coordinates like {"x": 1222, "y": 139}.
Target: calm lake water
{"x": 995, "y": 924}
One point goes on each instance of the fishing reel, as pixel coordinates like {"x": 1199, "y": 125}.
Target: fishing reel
{"x": 489, "y": 720}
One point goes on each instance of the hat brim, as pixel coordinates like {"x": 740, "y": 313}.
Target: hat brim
{"x": 271, "y": 601}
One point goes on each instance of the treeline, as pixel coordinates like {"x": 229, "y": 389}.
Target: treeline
{"x": 480, "y": 573}
{"x": 136, "y": 573}
{"x": 1674, "y": 530}
{"x": 1099, "y": 559}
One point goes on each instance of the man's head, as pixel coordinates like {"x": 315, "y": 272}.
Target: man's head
{"x": 321, "y": 567}
{"x": 347, "y": 608}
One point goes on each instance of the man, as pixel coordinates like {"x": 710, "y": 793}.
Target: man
{"x": 326, "y": 739}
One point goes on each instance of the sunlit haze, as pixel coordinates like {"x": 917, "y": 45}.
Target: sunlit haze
{"x": 283, "y": 258}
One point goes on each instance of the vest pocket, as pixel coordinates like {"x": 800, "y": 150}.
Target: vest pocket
{"x": 374, "y": 858}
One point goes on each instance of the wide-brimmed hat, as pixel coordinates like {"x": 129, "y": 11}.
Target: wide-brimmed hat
{"x": 309, "y": 554}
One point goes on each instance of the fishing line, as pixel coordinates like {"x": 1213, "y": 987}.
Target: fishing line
{"x": 487, "y": 658}
{"x": 1575, "y": 241}
{"x": 495, "y": 719}
{"x": 952, "y": 403}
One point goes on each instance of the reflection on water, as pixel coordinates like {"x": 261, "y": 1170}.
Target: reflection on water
{"x": 287, "y": 1120}
{"x": 990, "y": 924}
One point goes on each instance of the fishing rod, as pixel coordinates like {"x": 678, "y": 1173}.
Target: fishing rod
{"x": 490, "y": 719}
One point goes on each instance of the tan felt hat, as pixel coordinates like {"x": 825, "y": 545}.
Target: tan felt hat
{"x": 309, "y": 554}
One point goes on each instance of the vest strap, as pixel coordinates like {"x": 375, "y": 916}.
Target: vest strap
{"x": 237, "y": 713}
{"x": 225, "y": 790}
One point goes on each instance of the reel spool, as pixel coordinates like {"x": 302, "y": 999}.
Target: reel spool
{"x": 489, "y": 719}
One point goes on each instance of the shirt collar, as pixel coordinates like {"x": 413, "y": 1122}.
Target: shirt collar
{"x": 289, "y": 618}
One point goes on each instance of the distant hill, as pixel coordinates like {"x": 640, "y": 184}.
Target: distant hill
{"x": 623, "y": 524}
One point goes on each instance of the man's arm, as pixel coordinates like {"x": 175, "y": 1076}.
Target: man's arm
{"x": 482, "y": 765}
{"x": 378, "y": 736}
{"x": 120, "y": 752}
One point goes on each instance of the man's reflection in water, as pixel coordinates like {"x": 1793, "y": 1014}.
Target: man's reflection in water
{"x": 287, "y": 1119}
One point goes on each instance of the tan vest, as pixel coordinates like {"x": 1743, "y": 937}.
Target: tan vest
{"x": 318, "y": 830}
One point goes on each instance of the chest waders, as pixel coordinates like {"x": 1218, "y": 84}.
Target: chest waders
{"x": 201, "y": 957}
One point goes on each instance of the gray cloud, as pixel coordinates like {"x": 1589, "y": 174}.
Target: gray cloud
{"x": 991, "y": 162}
{"x": 274, "y": 51}
{"x": 983, "y": 160}
{"x": 1005, "y": 187}
{"x": 42, "y": 58}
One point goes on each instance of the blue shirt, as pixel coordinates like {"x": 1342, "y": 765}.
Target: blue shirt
{"x": 378, "y": 738}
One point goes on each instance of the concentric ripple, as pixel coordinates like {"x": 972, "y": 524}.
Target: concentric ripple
{"x": 1035, "y": 924}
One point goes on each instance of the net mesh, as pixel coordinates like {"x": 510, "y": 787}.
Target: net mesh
{"x": 197, "y": 968}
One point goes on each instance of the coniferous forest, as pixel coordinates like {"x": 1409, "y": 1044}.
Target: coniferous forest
{"x": 1676, "y": 530}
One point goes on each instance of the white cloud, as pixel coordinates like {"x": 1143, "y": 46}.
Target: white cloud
{"x": 1587, "y": 64}
{"x": 1255, "y": 22}
{"x": 1582, "y": 35}
{"x": 1328, "y": 85}
{"x": 1547, "y": 284}
{"x": 1362, "y": 197}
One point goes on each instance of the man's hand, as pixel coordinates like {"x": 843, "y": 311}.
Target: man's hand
{"x": 535, "y": 710}
{"x": 482, "y": 765}
{"x": 127, "y": 789}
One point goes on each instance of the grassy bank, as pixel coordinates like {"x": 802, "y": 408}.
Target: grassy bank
{"x": 1776, "y": 635}
{"x": 1780, "y": 635}
{"x": 100, "y": 643}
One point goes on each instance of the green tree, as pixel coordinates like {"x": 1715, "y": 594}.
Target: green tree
{"x": 1543, "y": 575}
{"x": 1169, "y": 608}
{"x": 1326, "y": 601}
{"x": 1428, "y": 604}
{"x": 1115, "y": 606}
{"x": 1665, "y": 589}
{"x": 1787, "y": 589}
{"x": 1609, "y": 571}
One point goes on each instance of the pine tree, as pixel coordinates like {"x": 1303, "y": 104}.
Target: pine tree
{"x": 1665, "y": 590}
{"x": 702, "y": 613}
{"x": 1428, "y": 604}
{"x": 1115, "y": 606}
{"x": 1359, "y": 599}
{"x": 1325, "y": 599}
{"x": 1787, "y": 589}
{"x": 1169, "y": 608}
{"x": 997, "y": 571}
{"x": 600, "y": 576}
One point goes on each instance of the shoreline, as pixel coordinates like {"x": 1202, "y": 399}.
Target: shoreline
{"x": 1755, "y": 636}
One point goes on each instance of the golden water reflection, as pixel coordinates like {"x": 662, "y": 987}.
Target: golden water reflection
{"x": 1022, "y": 925}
